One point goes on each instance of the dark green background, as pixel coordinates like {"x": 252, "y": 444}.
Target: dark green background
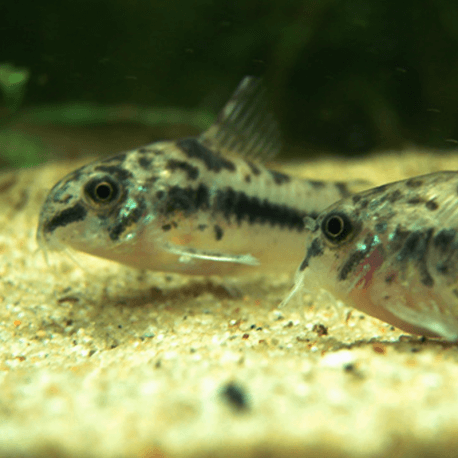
{"x": 345, "y": 76}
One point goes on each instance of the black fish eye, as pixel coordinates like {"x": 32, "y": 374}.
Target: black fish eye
{"x": 102, "y": 190}
{"x": 336, "y": 227}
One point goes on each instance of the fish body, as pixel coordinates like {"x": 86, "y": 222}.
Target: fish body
{"x": 202, "y": 205}
{"x": 391, "y": 252}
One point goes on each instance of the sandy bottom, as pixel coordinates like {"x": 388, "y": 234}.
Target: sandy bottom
{"x": 103, "y": 361}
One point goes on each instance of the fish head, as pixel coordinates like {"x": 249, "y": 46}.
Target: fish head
{"x": 101, "y": 208}
{"x": 392, "y": 253}
{"x": 330, "y": 244}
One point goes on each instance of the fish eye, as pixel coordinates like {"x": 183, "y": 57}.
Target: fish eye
{"x": 336, "y": 227}
{"x": 102, "y": 190}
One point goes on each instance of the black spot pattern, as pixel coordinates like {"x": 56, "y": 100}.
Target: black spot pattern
{"x": 187, "y": 200}
{"x": 343, "y": 189}
{"x": 414, "y": 250}
{"x": 144, "y": 162}
{"x": 446, "y": 244}
{"x": 118, "y": 172}
{"x": 70, "y": 215}
{"x": 191, "y": 171}
{"x": 414, "y": 183}
{"x": 279, "y": 178}
{"x": 432, "y": 205}
{"x": 214, "y": 162}
{"x": 320, "y": 185}
{"x": 254, "y": 170}
{"x": 443, "y": 239}
{"x": 416, "y": 200}
{"x": 394, "y": 196}
{"x": 218, "y": 232}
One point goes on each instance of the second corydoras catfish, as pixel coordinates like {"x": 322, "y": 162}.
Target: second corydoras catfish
{"x": 204, "y": 205}
{"x": 392, "y": 252}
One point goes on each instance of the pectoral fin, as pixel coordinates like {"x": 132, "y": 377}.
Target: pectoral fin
{"x": 187, "y": 255}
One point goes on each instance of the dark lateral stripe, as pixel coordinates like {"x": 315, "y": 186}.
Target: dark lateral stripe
{"x": 214, "y": 162}
{"x": 191, "y": 171}
{"x": 70, "y": 215}
{"x": 233, "y": 205}
{"x": 251, "y": 209}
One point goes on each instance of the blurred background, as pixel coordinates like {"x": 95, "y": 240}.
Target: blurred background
{"x": 345, "y": 77}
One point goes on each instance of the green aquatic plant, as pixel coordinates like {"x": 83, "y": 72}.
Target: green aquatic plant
{"x": 13, "y": 81}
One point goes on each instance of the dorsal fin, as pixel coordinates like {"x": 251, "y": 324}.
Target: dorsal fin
{"x": 245, "y": 126}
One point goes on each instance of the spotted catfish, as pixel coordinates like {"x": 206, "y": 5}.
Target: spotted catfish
{"x": 392, "y": 252}
{"x": 196, "y": 205}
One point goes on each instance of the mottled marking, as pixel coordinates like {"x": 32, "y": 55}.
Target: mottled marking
{"x": 394, "y": 196}
{"x": 355, "y": 258}
{"x": 432, "y": 205}
{"x": 191, "y": 171}
{"x": 202, "y": 227}
{"x": 279, "y": 177}
{"x": 315, "y": 249}
{"x": 443, "y": 239}
{"x": 118, "y": 172}
{"x": 414, "y": 246}
{"x": 381, "y": 227}
{"x": 214, "y": 162}
{"x": 414, "y": 249}
{"x": 416, "y": 200}
{"x": 247, "y": 179}
{"x": 356, "y": 198}
{"x": 144, "y": 162}
{"x": 397, "y": 238}
{"x": 166, "y": 227}
{"x": 378, "y": 190}
{"x": 218, "y": 232}
{"x": 124, "y": 220}
{"x": 160, "y": 194}
{"x": 414, "y": 183}
{"x": 252, "y": 209}
{"x": 317, "y": 184}
{"x": 187, "y": 200}
{"x": 343, "y": 189}
{"x": 70, "y": 215}
{"x": 254, "y": 170}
